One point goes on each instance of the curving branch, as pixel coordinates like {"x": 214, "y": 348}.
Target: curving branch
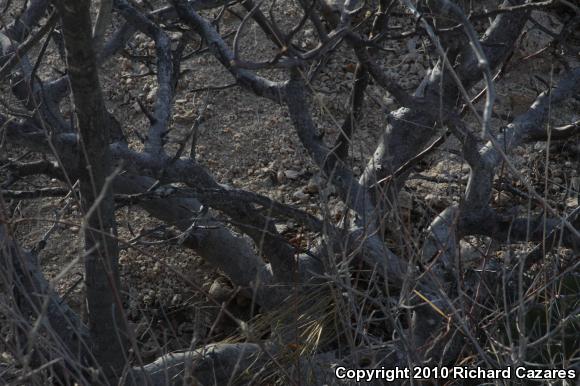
{"x": 408, "y": 131}
{"x": 258, "y": 85}
{"x": 20, "y": 275}
{"x": 166, "y": 78}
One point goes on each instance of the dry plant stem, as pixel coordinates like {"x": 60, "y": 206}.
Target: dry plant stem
{"x": 104, "y": 17}
{"x": 215, "y": 245}
{"x": 39, "y": 301}
{"x": 430, "y": 293}
{"x": 31, "y": 194}
{"x": 408, "y": 131}
{"x": 106, "y": 323}
{"x": 165, "y": 77}
{"x": 203, "y": 185}
{"x": 258, "y": 85}
{"x": 23, "y": 48}
{"x": 364, "y": 238}
{"x": 22, "y": 27}
{"x": 475, "y": 217}
{"x": 526, "y": 126}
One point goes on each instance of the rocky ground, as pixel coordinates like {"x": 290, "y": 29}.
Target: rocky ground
{"x": 248, "y": 142}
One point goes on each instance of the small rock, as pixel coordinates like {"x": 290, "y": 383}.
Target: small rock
{"x": 576, "y": 183}
{"x": 291, "y": 174}
{"x": 220, "y": 291}
{"x": 469, "y": 253}
{"x": 152, "y": 95}
{"x": 313, "y": 185}
{"x": 300, "y": 196}
{"x": 389, "y": 102}
{"x": 282, "y": 228}
{"x": 435, "y": 201}
{"x": 281, "y": 177}
{"x": 176, "y": 300}
{"x": 185, "y": 118}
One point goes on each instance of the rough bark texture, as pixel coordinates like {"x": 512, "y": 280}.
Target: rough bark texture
{"x": 428, "y": 304}
{"x": 106, "y": 322}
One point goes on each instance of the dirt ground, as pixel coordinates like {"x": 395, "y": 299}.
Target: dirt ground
{"x": 249, "y": 143}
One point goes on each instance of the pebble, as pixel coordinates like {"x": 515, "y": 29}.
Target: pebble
{"x": 152, "y": 95}
{"x": 469, "y": 253}
{"x": 300, "y": 196}
{"x": 185, "y": 118}
{"x": 291, "y": 174}
{"x": 389, "y": 102}
{"x": 313, "y": 185}
{"x": 220, "y": 291}
{"x": 281, "y": 177}
{"x": 176, "y": 300}
{"x": 436, "y": 201}
{"x": 282, "y": 228}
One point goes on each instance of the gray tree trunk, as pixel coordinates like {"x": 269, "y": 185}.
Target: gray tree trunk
{"x": 106, "y": 323}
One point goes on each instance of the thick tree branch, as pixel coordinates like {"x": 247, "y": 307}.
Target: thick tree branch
{"x": 258, "y": 85}
{"x": 166, "y": 79}
{"x": 106, "y": 322}
{"x": 409, "y": 130}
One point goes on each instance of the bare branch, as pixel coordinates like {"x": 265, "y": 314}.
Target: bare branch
{"x": 258, "y": 85}
{"x": 165, "y": 77}
{"x": 104, "y": 17}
